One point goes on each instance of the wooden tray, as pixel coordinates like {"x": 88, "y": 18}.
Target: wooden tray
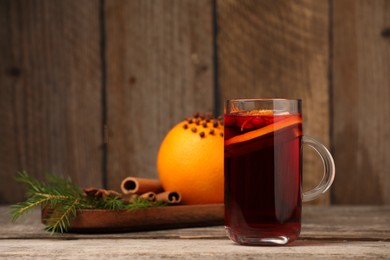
{"x": 103, "y": 221}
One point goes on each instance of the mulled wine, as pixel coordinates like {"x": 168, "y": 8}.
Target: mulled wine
{"x": 263, "y": 176}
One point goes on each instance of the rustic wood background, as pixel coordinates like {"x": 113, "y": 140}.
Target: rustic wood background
{"x": 90, "y": 88}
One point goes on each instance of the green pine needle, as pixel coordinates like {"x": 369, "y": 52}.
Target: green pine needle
{"x": 64, "y": 199}
{"x": 139, "y": 203}
{"x": 61, "y": 218}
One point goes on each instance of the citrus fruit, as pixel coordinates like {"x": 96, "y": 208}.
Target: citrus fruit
{"x": 190, "y": 160}
{"x": 289, "y": 121}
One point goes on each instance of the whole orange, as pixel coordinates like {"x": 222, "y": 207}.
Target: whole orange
{"x": 190, "y": 160}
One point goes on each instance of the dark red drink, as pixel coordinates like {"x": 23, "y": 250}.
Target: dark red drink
{"x": 263, "y": 177}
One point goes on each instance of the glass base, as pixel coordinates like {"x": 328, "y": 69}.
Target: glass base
{"x": 263, "y": 240}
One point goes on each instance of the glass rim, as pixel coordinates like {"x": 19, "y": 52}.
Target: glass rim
{"x": 263, "y": 99}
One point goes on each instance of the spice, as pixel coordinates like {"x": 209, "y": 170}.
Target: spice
{"x": 203, "y": 119}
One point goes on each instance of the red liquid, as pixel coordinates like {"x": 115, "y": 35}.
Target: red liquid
{"x": 263, "y": 178}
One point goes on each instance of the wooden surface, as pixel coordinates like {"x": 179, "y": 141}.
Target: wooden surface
{"x": 327, "y": 232}
{"x": 361, "y": 93}
{"x": 279, "y": 49}
{"x": 159, "y": 70}
{"x": 50, "y": 80}
{"x": 187, "y": 249}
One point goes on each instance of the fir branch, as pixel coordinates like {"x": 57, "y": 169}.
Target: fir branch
{"x": 140, "y": 203}
{"x": 21, "y": 208}
{"x": 113, "y": 203}
{"x": 63, "y": 186}
{"x": 53, "y": 196}
{"x": 60, "y": 220}
{"x": 33, "y": 184}
{"x": 64, "y": 199}
{"x": 57, "y": 193}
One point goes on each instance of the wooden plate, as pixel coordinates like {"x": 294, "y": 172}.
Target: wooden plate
{"x": 103, "y": 221}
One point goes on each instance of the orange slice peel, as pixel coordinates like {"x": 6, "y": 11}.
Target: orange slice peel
{"x": 280, "y": 137}
{"x": 277, "y": 126}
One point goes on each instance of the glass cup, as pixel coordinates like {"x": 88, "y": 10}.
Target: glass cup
{"x": 263, "y": 170}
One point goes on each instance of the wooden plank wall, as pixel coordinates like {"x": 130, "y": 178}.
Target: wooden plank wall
{"x": 159, "y": 70}
{"x": 361, "y": 101}
{"x": 68, "y": 68}
{"x": 50, "y": 92}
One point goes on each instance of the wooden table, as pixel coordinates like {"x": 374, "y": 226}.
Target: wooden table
{"x": 327, "y": 232}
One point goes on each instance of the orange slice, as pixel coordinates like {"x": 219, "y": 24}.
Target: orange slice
{"x": 290, "y": 121}
{"x": 279, "y": 138}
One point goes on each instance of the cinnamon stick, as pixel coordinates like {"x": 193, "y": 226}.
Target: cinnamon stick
{"x": 99, "y": 193}
{"x": 133, "y": 185}
{"x": 170, "y": 197}
{"x": 129, "y": 197}
{"x": 149, "y": 196}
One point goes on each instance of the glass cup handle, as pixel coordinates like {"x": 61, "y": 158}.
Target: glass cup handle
{"x": 329, "y": 169}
